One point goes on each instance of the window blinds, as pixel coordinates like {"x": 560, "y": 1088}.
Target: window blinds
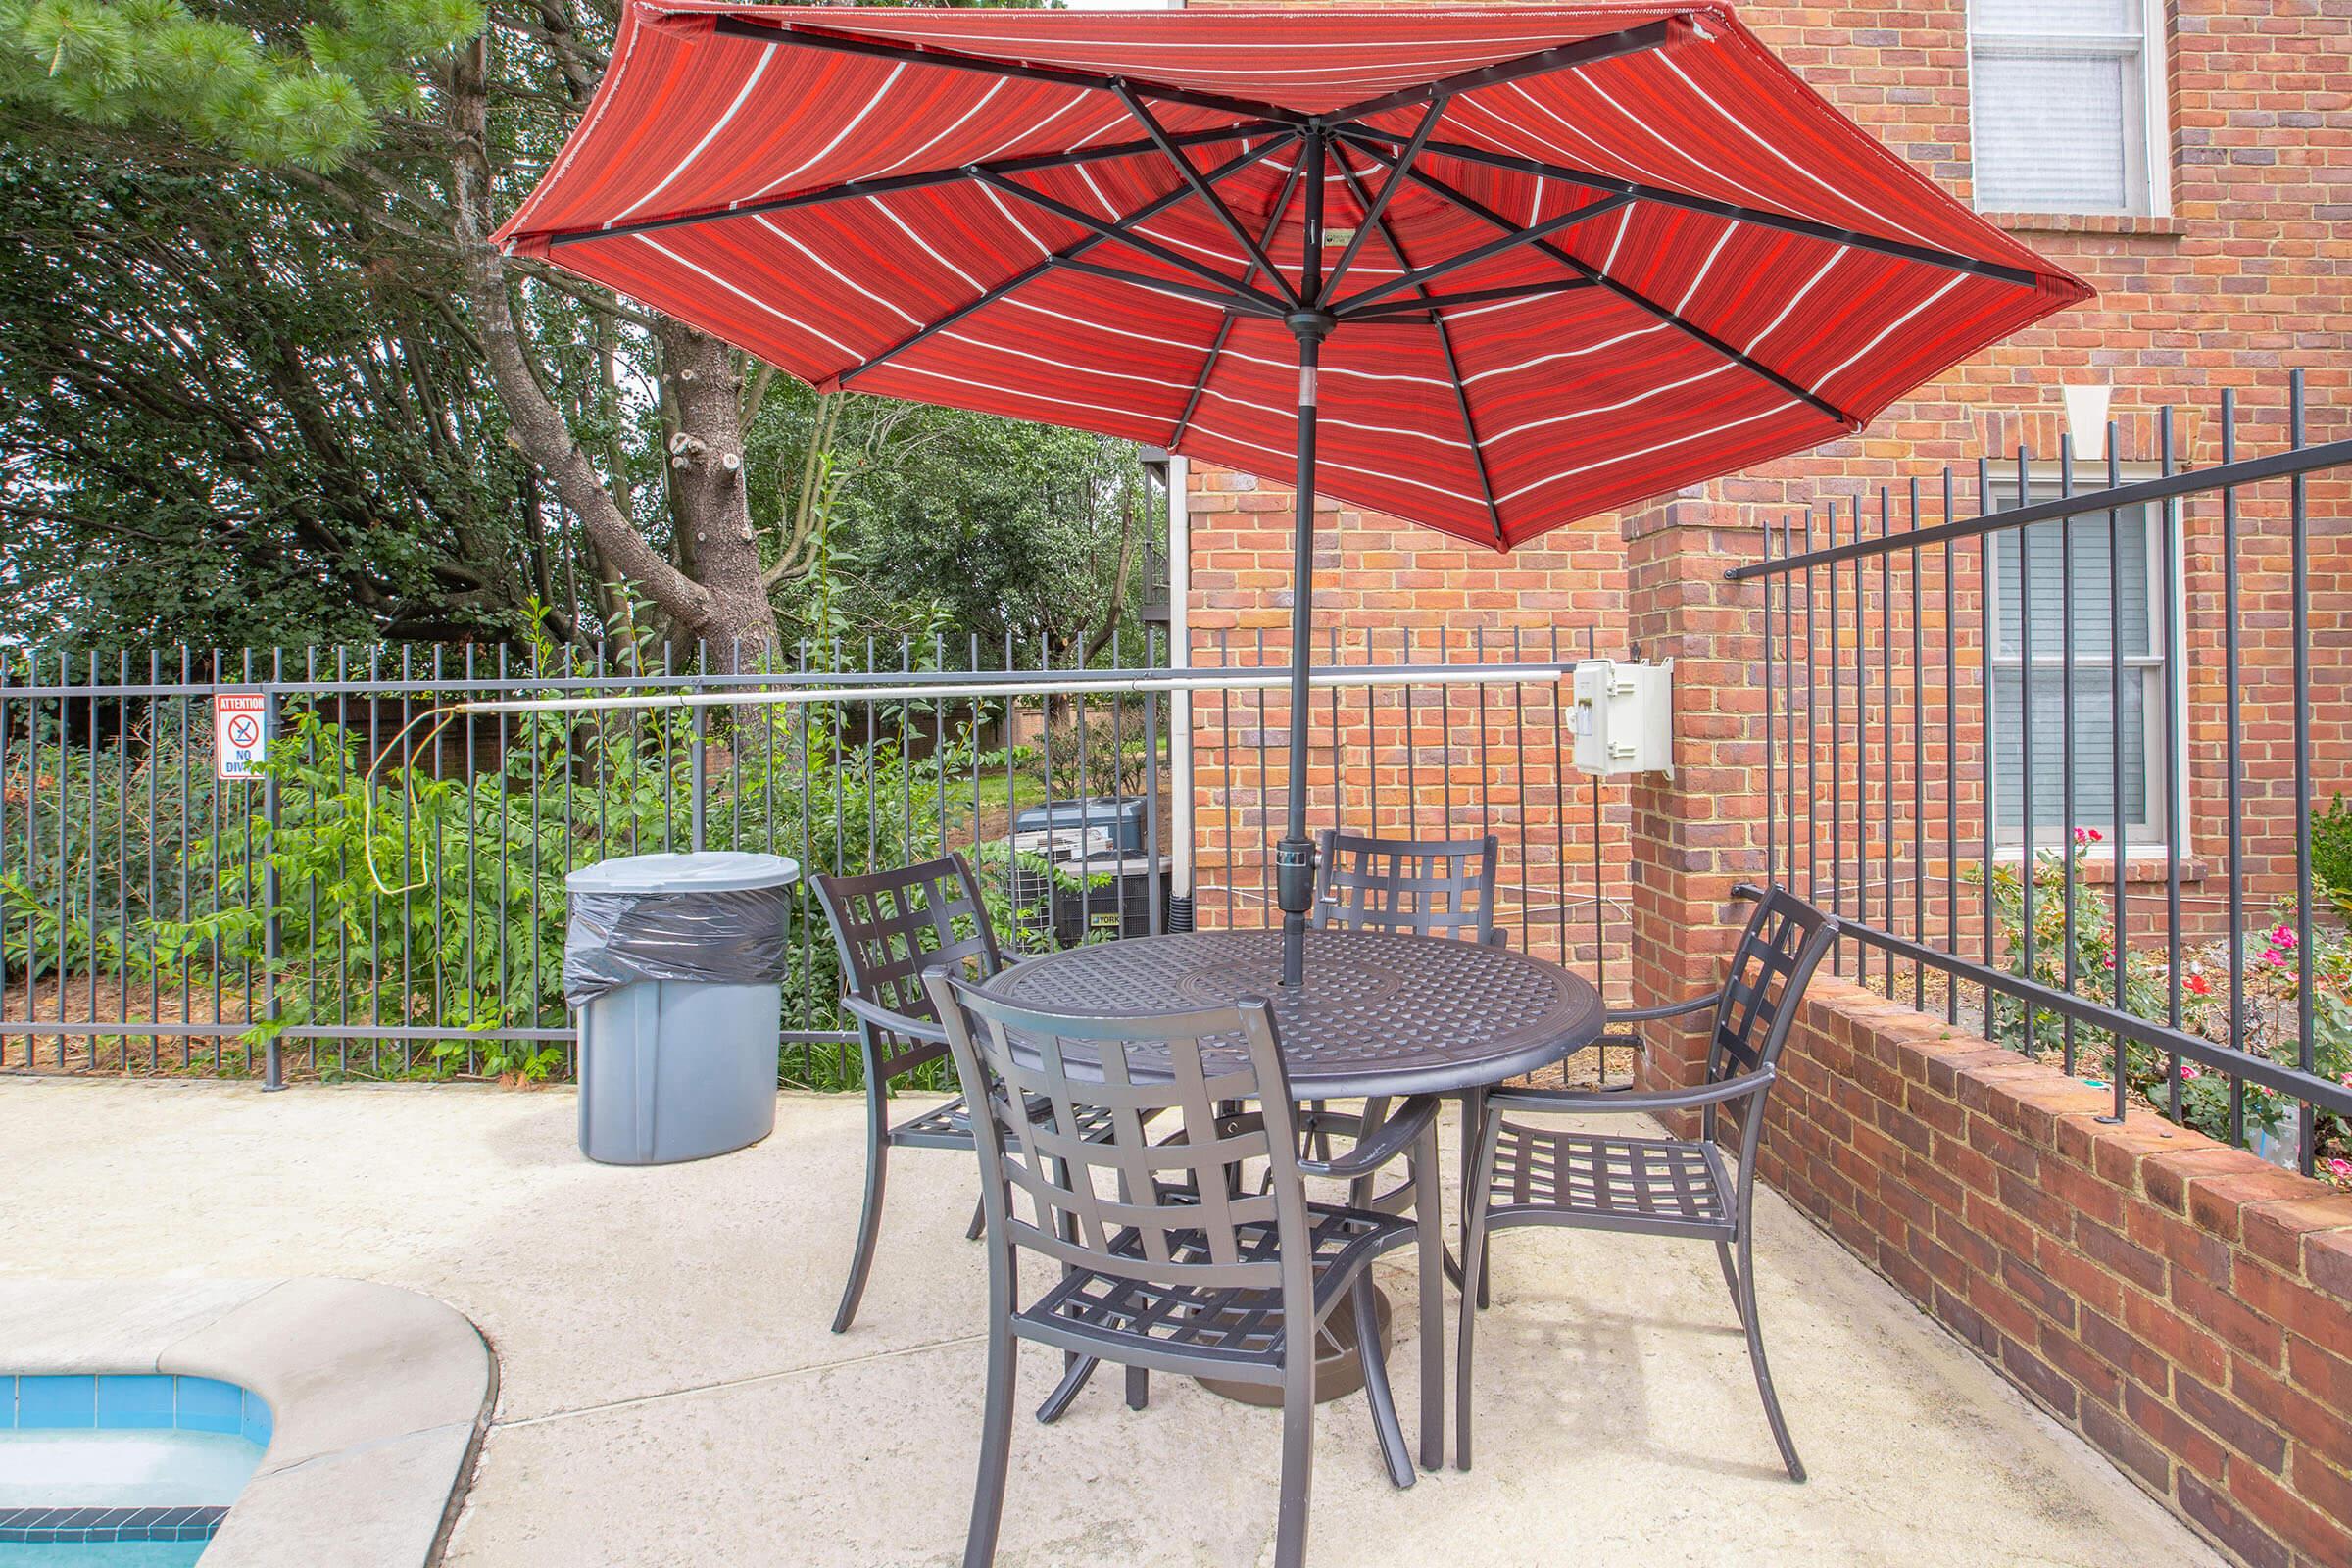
{"x": 2055, "y": 105}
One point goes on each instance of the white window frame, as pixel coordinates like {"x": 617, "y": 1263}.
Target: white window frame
{"x": 2144, "y": 837}
{"x": 2148, "y": 158}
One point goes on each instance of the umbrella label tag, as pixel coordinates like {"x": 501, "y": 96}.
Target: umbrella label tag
{"x": 1307, "y": 386}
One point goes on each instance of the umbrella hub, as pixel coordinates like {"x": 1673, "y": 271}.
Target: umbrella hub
{"x": 1310, "y": 326}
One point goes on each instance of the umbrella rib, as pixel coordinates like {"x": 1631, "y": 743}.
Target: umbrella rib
{"x": 1566, "y": 57}
{"x": 1665, "y": 196}
{"x": 1373, "y": 208}
{"x": 1517, "y": 238}
{"x": 1066, "y": 254}
{"x": 1389, "y": 310}
{"x": 1235, "y": 291}
{"x": 1632, "y": 296}
{"x": 1201, "y": 188}
{"x": 1254, "y": 304}
{"x": 1216, "y": 347}
{"x": 727, "y": 26}
{"x": 1453, "y": 368}
{"x": 890, "y": 184}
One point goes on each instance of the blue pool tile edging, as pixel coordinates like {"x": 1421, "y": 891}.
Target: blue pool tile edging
{"x": 75, "y": 1527}
{"x": 122, "y": 1401}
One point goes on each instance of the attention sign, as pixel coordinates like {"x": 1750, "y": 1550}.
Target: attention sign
{"x": 240, "y": 735}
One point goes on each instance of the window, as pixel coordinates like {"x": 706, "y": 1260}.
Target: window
{"x": 2066, "y": 105}
{"x": 2139, "y": 538}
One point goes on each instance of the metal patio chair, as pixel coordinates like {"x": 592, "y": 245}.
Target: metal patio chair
{"x": 889, "y": 927}
{"x": 1429, "y": 887}
{"x": 1423, "y": 887}
{"x": 1171, "y": 1259}
{"x": 1533, "y": 1175}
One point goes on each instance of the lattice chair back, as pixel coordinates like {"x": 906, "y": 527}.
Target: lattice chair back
{"x": 1172, "y": 1217}
{"x": 1774, "y": 960}
{"x": 1428, "y": 887}
{"x": 889, "y": 926}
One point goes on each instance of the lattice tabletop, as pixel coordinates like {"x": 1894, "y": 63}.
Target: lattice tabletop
{"x": 1381, "y": 1013}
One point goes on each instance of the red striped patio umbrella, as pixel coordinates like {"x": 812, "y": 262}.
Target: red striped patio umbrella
{"x": 1491, "y": 271}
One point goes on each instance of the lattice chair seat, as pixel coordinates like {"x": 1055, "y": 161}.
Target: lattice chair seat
{"x": 1646, "y": 1184}
{"x": 1245, "y": 1327}
{"x": 949, "y": 1126}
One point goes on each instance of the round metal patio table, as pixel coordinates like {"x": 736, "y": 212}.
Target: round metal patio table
{"x": 1381, "y": 1013}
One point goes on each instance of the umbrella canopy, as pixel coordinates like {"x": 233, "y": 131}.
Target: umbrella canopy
{"x": 1491, "y": 271}
{"x": 1693, "y": 263}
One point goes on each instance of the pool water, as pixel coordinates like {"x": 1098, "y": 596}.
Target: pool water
{"x": 104, "y": 1554}
{"x": 122, "y": 1471}
{"x": 105, "y": 1468}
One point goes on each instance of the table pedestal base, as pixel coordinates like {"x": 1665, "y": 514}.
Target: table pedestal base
{"x": 1337, "y": 1370}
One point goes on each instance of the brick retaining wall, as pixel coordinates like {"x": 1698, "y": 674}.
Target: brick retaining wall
{"x": 2184, "y": 1306}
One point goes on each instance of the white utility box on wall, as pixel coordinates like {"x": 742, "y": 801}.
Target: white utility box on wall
{"x": 1623, "y": 717}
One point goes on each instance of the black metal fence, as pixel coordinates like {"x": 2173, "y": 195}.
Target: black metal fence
{"x": 2017, "y": 751}
{"x": 386, "y": 899}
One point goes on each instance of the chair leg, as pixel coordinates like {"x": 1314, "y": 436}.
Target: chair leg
{"x": 1474, "y": 1272}
{"x": 1139, "y": 1388}
{"x": 971, "y": 1232}
{"x": 1375, "y": 1113}
{"x": 1745, "y": 1298}
{"x": 1074, "y": 1374}
{"x": 995, "y": 1444}
{"x": 1372, "y": 1358}
{"x": 1430, "y": 1222}
{"x": 869, "y": 1219}
{"x": 1731, "y": 1279}
{"x": 1474, "y": 1110}
{"x": 1298, "y": 1455}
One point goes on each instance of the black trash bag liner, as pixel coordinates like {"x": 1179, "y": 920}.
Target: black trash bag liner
{"x": 731, "y": 936}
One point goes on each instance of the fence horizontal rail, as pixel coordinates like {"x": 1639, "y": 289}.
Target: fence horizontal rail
{"x": 2140, "y": 493}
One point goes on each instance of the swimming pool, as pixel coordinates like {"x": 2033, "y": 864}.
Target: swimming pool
{"x": 132, "y": 1470}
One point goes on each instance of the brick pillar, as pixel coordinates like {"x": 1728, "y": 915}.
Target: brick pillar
{"x": 1694, "y": 838}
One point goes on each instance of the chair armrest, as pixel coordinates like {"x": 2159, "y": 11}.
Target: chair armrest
{"x": 1668, "y": 1009}
{"x": 897, "y": 1023}
{"x": 1565, "y": 1102}
{"x": 1393, "y": 1138}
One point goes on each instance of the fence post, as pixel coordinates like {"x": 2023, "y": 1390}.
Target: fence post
{"x": 273, "y": 1071}
{"x": 699, "y": 765}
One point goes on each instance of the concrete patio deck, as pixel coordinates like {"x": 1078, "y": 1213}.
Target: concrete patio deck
{"x": 668, "y": 1392}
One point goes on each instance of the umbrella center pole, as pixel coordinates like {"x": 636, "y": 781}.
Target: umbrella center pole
{"x": 1294, "y": 854}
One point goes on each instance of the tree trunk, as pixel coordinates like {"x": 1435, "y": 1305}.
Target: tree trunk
{"x": 708, "y": 504}
{"x": 539, "y": 427}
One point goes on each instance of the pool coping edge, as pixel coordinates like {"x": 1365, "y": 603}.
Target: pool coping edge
{"x": 388, "y": 1391}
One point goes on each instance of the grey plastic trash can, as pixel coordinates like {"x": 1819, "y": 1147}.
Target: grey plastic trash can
{"x": 675, "y": 963}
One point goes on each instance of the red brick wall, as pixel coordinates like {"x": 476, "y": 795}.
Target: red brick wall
{"x": 2185, "y": 1307}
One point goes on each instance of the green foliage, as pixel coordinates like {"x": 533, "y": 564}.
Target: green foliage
{"x": 97, "y": 846}
{"x": 2331, "y": 852}
{"x": 272, "y": 87}
{"x": 963, "y": 520}
{"x": 226, "y": 417}
{"x": 2270, "y": 1016}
